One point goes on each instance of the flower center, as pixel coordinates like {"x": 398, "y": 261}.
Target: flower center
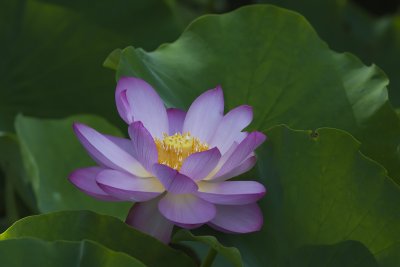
{"x": 174, "y": 149}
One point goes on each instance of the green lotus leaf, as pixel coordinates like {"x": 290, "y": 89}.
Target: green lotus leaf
{"x": 347, "y": 27}
{"x": 321, "y": 191}
{"x": 105, "y": 230}
{"x": 50, "y": 152}
{"x": 230, "y": 253}
{"x": 22, "y": 252}
{"x": 344, "y": 254}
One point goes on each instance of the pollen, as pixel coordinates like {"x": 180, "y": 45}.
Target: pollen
{"x": 174, "y": 149}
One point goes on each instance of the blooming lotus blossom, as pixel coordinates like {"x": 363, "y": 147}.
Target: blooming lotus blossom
{"x": 176, "y": 165}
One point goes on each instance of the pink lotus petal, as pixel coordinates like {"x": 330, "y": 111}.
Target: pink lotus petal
{"x": 197, "y": 193}
{"x": 242, "y": 151}
{"x": 176, "y": 117}
{"x": 231, "y": 193}
{"x": 127, "y": 187}
{"x": 124, "y": 143}
{"x": 245, "y": 166}
{"x": 221, "y": 162}
{"x": 85, "y": 180}
{"x": 198, "y": 165}
{"x": 241, "y": 136}
{"x": 146, "y": 218}
{"x": 238, "y": 219}
{"x": 121, "y": 100}
{"x": 107, "y": 153}
{"x": 144, "y": 104}
{"x": 231, "y": 126}
{"x": 189, "y": 226}
{"x": 173, "y": 181}
{"x": 186, "y": 209}
{"x": 143, "y": 146}
{"x": 205, "y": 114}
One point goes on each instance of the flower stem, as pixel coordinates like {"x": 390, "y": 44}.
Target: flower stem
{"x": 208, "y": 261}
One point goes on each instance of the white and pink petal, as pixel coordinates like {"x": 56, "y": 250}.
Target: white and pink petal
{"x": 107, "y": 153}
{"x": 176, "y": 117}
{"x": 121, "y": 100}
{"x": 126, "y": 187}
{"x": 230, "y": 127}
{"x": 143, "y": 147}
{"x": 242, "y": 152}
{"x": 124, "y": 143}
{"x": 222, "y": 161}
{"x": 237, "y": 219}
{"x": 85, "y": 180}
{"x": 189, "y": 226}
{"x": 245, "y": 166}
{"x": 231, "y": 192}
{"x": 205, "y": 114}
{"x": 186, "y": 209}
{"x": 173, "y": 181}
{"x": 147, "y": 218}
{"x": 198, "y": 165}
{"x": 140, "y": 101}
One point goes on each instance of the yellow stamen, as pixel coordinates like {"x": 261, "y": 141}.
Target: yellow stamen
{"x": 174, "y": 149}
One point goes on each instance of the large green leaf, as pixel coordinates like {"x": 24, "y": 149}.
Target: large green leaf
{"x": 278, "y": 65}
{"x": 51, "y": 152}
{"x": 106, "y": 230}
{"x": 321, "y": 191}
{"x": 52, "y": 52}
{"x": 230, "y": 253}
{"x": 343, "y": 254}
{"x": 348, "y": 28}
{"x": 23, "y": 252}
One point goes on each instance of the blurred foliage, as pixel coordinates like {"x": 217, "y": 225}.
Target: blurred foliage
{"x": 18, "y": 197}
{"x": 53, "y": 50}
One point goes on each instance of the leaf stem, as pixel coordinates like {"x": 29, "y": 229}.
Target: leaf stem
{"x": 208, "y": 261}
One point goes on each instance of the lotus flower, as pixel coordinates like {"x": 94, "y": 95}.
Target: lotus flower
{"x": 175, "y": 166}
